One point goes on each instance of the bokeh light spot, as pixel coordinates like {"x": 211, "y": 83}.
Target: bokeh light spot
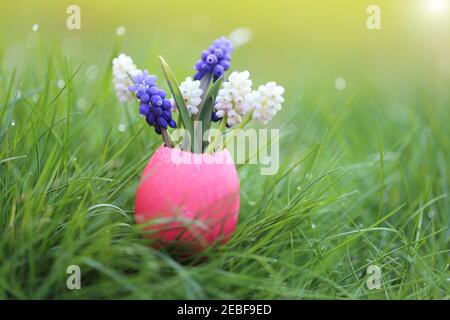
{"x": 437, "y": 7}
{"x": 340, "y": 84}
{"x": 120, "y": 31}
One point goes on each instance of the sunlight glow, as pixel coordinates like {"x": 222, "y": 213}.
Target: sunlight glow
{"x": 437, "y": 6}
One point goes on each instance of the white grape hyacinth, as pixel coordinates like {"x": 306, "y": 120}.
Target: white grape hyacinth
{"x": 232, "y": 99}
{"x": 266, "y": 101}
{"x": 192, "y": 94}
{"x": 123, "y": 68}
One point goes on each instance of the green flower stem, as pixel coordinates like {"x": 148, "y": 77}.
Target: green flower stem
{"x": 215, "y": 139}
{"x": 166, "y": 138}
{"x": 240, "y": 126}
{"x": 204, "y": 84}
{"x": 179, "y": 121}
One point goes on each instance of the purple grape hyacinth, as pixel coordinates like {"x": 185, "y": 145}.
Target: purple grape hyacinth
{"x": 153, "y": 103}
{"x": 215, "y": 60}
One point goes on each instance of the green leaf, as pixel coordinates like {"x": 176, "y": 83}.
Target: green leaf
{"x": 208, "y": 103}
{"x": 178, "y": 97}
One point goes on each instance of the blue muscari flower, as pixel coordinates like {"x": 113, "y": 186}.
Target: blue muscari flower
{"x": 215, "y": 60}
{"x": 214, "y": 117}
{"x": 153, "y": 103}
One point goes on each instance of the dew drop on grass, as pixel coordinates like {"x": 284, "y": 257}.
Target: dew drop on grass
{"x": 340, "y": 84}
{"x": 122, "y": 127}
{"x": 252, "y": 203}
{"x": 120, "y": 31}
{"x": 13, "y": 123}
{"x": 313, "y": 225}
{"x": 92, "y": 72}
{"x": 81, "y": 103}
{"x": 60, "y": 84}
{"x": 35, "y": 27}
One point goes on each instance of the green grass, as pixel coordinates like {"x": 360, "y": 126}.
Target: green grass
{"x": 361, "y": 183}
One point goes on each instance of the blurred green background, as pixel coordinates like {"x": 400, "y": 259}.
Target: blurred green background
{"x": 372, "y": 155}
{"x": 301, "y": 44}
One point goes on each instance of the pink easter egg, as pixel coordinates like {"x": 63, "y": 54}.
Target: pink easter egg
{"x": 188, "y": 200}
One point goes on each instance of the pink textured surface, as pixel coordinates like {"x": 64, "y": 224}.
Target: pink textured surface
{"x": 195, "y": 202}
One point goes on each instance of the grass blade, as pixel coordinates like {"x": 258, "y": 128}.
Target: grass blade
{"x": 178, "y": 97}
{"x": 206, "y": 109}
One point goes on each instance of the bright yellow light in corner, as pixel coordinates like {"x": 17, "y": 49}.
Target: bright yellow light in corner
{"x": 437, "y": 6}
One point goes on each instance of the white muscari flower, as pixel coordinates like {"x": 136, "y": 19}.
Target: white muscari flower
{"x": 123, "y": 68}
{"x": 266, "y": 101}
{"x": 232, "y": 99}
{"x": 192, "y": 94}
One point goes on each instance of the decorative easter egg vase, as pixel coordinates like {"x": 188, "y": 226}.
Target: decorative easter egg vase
{"x": 188, "y": 200}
